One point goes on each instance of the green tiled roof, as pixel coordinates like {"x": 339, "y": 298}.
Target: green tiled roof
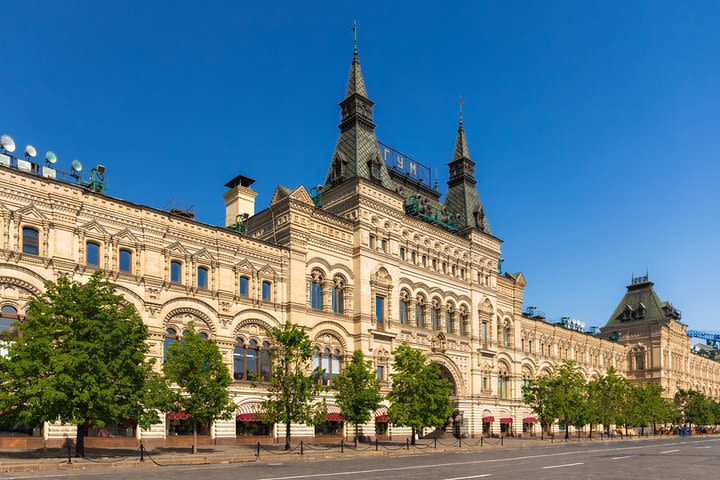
{"x": 640, "y": 296}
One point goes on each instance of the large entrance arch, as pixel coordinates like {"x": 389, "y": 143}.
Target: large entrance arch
{"x": 447, "y": 374}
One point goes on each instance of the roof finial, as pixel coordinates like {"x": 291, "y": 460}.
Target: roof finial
{"x": 461, "y": 105}
{"x": 355, "y": 53}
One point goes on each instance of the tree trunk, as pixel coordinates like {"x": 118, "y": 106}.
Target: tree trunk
{"x": 194, "y": 446}
{"x": 412, "y": 438}
{"x": 590, "y": 434}
{"x": 80, "y": 440}
{"x": 542, "y": 430}
{"x": 287, "y": 435}
{"x": 567, "y": 431}
{"x": 357, "y": 433}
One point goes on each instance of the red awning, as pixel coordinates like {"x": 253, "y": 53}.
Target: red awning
{"x": 529, "y": 420}
{"x": 488, "y": 418}
{"x": 382, "y": 419}
{"x": 334, "y": 417}
{"x": 248, "y": 412}
{"x": 506, "y": 420}
{"x": 178, "y": 416}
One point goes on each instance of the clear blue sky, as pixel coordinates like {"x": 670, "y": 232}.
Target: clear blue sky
{"x": 594, "y": 125}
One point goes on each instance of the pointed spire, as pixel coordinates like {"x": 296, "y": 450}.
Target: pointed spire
{"x": 356, "y": 84}
{"x": 461, "y": 148}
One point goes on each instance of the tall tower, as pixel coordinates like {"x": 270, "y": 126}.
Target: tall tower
{"x": 357, "y": 153}
{"x": 462, "y": 197}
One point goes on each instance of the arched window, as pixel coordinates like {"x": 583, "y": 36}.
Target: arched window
{"x": 338, "y": 295}
{"x": 404, "y": 307}
{"x": 329, "y": 361}
{"x": 463, "y": 321}
{"x": 435, "y": 315}
{"x": 125, "y": 260}
{"x": 171, "y": 337}
{"x": 420, "y": 311}
{"x": 449, "y": 323}
{"x": 316, "y": 281}
{"x": 266, "y": 291}
{"x": 251, "y": 360}
{"x": 8, "y": 319}
{"x": 176, "y": 271}
{"x": 244, "y": 286}
{"x": 202, "y": 277}
{"x": 503, "y": 382}
{"x": 92, "y": 253}
{"x": 31, "y": 241}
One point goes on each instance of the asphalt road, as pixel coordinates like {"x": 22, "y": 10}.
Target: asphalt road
{"x": 671, "y": 458}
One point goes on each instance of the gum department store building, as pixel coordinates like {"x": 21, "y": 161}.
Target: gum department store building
{"x": 373, "y": 259}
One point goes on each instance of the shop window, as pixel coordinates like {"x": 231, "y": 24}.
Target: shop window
{"x": 181, "y": 424}
{"x": 31, "y": 241}
{"x": 253, "y": 428}
{"x": 125, "y": 260}
{"x": 92, "y": 254}
{"x": 112, "y": 430}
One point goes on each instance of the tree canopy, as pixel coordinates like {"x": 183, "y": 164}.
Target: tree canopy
{"x": 80, "y": 358}
{"x": 293, "y": 385}
{"x": 419, "y": 397}
{"x": 195, "y": 368}
{"x": 357, "y": 391}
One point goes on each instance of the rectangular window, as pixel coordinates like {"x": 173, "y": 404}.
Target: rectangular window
{"x": 371, "y": 242}
{"x": 176, "y": 271}
{"x": 202, "y": 277}
{"x": 483, "y": 332}
{"x": 92, "y": 254}
{"x": 125, "y": 261}
{"x": 384, "y": 245}
{"x": 381, "y": 373}
{"x": 316, "y": 296}
{"x": 402, "y": 253}
{"x": 338, "y": 301}
{"x": 434, "y": 264}
{"x": 244, "y": 286}
{"x": 413, "y": 257}
{"x": 266, "y": 291}
{"x": 424, "y": 261}
{"x": 502, "y": 387}
{"x": 31, "y": 241}
{"x": 379, "y": 310}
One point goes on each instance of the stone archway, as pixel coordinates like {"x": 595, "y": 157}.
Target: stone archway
{"x": 447, "y": 374}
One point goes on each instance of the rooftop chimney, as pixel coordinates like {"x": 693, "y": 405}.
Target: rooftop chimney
{"x": 239, "y": 200}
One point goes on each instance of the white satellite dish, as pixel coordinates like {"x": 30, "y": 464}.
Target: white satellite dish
{"x": 8, "y": 144}
{"x": 76, "y": 166}
{"x": 30, "y": 151}
{"x": 50, "y": 157}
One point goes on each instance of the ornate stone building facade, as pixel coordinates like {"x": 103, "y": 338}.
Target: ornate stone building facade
{"x": 374, "y": 259}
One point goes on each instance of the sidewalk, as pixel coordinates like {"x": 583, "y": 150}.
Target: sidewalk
{"x": 57, "y": 458}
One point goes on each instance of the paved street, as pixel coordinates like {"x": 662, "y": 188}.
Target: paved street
{"x": 670, "y": 458}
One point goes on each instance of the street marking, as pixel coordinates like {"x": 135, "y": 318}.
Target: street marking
{"x": 566, "y": 465}
{"x": 620, "y": 458}
{"x": 471, "y": 476}
{"x": 706, "y": 446}
{"x": 474, "y": 462}
{"x": 670, "y": 451}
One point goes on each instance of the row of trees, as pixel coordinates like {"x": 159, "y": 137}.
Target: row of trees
{"x": 81, "y": 358}
{"x": 564, "y": 397}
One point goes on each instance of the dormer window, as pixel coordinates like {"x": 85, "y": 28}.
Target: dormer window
{"x": 640, "y": 312}
{"x": 627, "y": 313}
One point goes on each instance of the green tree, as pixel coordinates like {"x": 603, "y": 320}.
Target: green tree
{"x": 80, "y": 358}
{"x": 357, "y": 391}
{"x": 567, "y": 395}
{"x": 419, "y": 397}
{"x": 293, "y": 385}
{"x": 195, "y": 366}
{"x": 650, "y": 407}
{"x": 607, "y": 399}
{"x": 694, "y": 407}
{"x": 536, "y": 394}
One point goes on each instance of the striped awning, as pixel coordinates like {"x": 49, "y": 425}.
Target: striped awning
{"x": 247, "y": 412}
{"x": 333, "y": 414}
{"x": 178, "y": 416}
{"x": 381, "y": 415}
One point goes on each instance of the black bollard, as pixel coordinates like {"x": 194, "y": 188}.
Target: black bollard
{"x": 460, "y": 441}
{"x": 142, "y": 452}
{"x": 481, "y": 440}
{"x": 407, "y": 443}
{"x": 342, "y": 446}
{"x": 258, "y": 450}
{"x": 502, "y": 440}
{"x": 302, "y": 450}
{"x": 376, "y": 444}
{"x": 435, "y": 443}
{"x": 69, "y": 449}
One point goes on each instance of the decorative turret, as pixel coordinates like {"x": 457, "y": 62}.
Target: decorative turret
{"x": 356, "y": 153}
{"x": 462, "y": 199}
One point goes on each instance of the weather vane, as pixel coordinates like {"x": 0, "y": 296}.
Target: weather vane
{"x": 355, "y": 36}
